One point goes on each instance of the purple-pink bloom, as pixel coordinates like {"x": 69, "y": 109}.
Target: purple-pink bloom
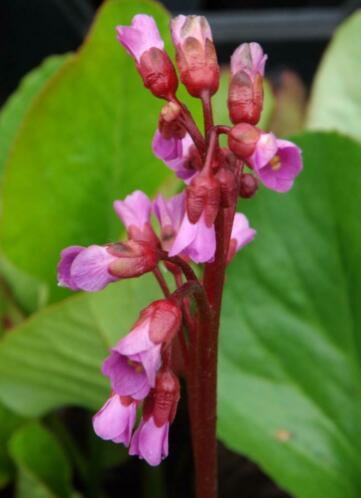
{"x": 127, "y": 377}
{"x": 135, "y": 213}
{"x": 85, "y": 268}
{"x": 196, "y": 240}
{"x": 276, "y": 162}
{"x": 242, "y": 234}
{"x": 174, "y": 152}
{"x": 150, "y": 442}
{"x": 170, "y": 213}
{"x": 140, "y": 36}
{"x": 116, "y": 419}
{"x": 250, "y": 58}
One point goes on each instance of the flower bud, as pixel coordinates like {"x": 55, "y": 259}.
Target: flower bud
{"x": 163, "y": 399}
{"x": 203, "y": 197}
{"x": 143, "y": 42}
{"x": 248, "y": 186}
{"x": 132, "y": 258}
{"x": 245, "y": 97}
{"x": 242, "y": 140}
{"x": 228, "y": 187}
{"x": 169, "y": 123}
{"x": 196, "y": 55}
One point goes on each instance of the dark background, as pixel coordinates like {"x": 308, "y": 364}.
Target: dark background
{"x": 294, "y": 33}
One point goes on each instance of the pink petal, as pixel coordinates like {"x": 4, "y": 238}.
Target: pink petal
{"x": 150, "y": 442}
{"x": 135, "y": 210}
{"x": 67, "y": 257}
{"x": 89, "y": 270}
{"x": 114, "y": 421}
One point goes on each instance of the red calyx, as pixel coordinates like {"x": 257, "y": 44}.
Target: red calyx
{"x": 166, "y": 319}
{"x": 245, "y": 98}
{"x": 158, "y": 73}
{"x": 242, "y": 140}
{"x": 203, "y": 196}
{"x": 228, "y": 187}
{"x": 169, "y": 124}
{"x": 133, "y": 258}
{"x": 165, "y": 395}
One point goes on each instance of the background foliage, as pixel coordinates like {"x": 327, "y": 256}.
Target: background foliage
{"x": 75, "y": 136}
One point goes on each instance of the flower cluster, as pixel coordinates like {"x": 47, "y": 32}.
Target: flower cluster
{"x": 198, "y": 225}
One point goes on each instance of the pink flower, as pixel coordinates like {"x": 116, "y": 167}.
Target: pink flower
{"x": 250, "y": 58}
{"x": 141, "y": 36}
{"x": 196, "y": 240}
{"x": 135, "y": 213}
{"x": 85, "y": 268}
{"x": 92, "y": 268}
{"x": 150, "y": 442}
{"x": 115, "y": 420}
{"x": 196, "y": 55}
{"x": 241, "y": 234}
{"x": 170, "y": 213}
{"x": 276, "y": 162}
{"x": 175, "y": 153}
{"x": 156, "y": 326}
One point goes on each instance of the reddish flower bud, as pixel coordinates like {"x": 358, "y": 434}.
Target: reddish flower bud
{"x": 158, "y": 73}
{"x": 196, "y": 55}
{"x": 242, "y": 140}
{"x": 132, "y": 258}
{"x": 248, "y": 186}
{"x": 165, "y": 320}
{"x": 203, "y": 196}
{"x": 169, "y": 124}
{"x": 228, "y": 187}
{"x": 245, "y": 98}
{"x": 162, "y": 401}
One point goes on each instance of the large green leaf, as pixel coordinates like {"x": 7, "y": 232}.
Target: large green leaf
{"x": 15, "y": 109}
{"x": 336, "y": 94}
{"x": 54, "y": 358}
{"x": 9, "y": 422}
{"x": 289, "y": 386}
{"x": 43, "y": 469}
{"x": 81, "y": 145}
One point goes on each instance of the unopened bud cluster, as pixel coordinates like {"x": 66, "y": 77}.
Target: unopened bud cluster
{"x": 182, "y": 229}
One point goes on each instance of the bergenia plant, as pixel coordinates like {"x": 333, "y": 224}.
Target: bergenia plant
{"x": 199, "y": 225}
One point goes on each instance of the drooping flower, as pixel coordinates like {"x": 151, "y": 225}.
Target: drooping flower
{"x": 276, "y": 162}
{"x": 143, "y": 42}
{"x": 250, "y": 58}
{"x": 135, "y": 211}
{"x": 150, "y": 440}
{"x": 135, "y": 360}
{"x": 195, "y": 54}
{"x": 242, "y": 234}
{"x": 116, "y": 419}
{"x": 93, "y": 268}
{"x": 170, "y": 213}
{"x": 195, "y": 240}
{"x": 176, "y": 153}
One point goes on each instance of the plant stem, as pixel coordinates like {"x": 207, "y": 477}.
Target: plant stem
{"x": 207, "y": 111}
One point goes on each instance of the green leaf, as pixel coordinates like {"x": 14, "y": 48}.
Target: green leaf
{"x": 54, "y": 358}
{"x": 336, "y": 94}
{"x": 9, "y": 422}
{"x": 12, "y": 114}
{"x": 289, "y": 386}
{"x": 43, "y": 469}
{"x": 84, "y": 142}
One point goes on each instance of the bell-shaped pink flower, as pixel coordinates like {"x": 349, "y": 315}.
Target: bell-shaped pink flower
{"x": 85, "y": 268}
{"x": 250, "y": 58}
{"x": 140, "y": 36}
{"x": 92, "y": 268}
{"x": 276, "y": 162}
{"x": 170, "y": 213}
{"x": 150, "y": 440}
{"x": 242, "y": 234}
{"x": 116, "y": 419}
{"x": 195, "y": 54}
{"x": 136, "y": 359}
{"x": 143, "y": 42}
{"x": 195, "y": 240}
{"x": 175, "y": 153}
{"x": 135, "y": 213}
